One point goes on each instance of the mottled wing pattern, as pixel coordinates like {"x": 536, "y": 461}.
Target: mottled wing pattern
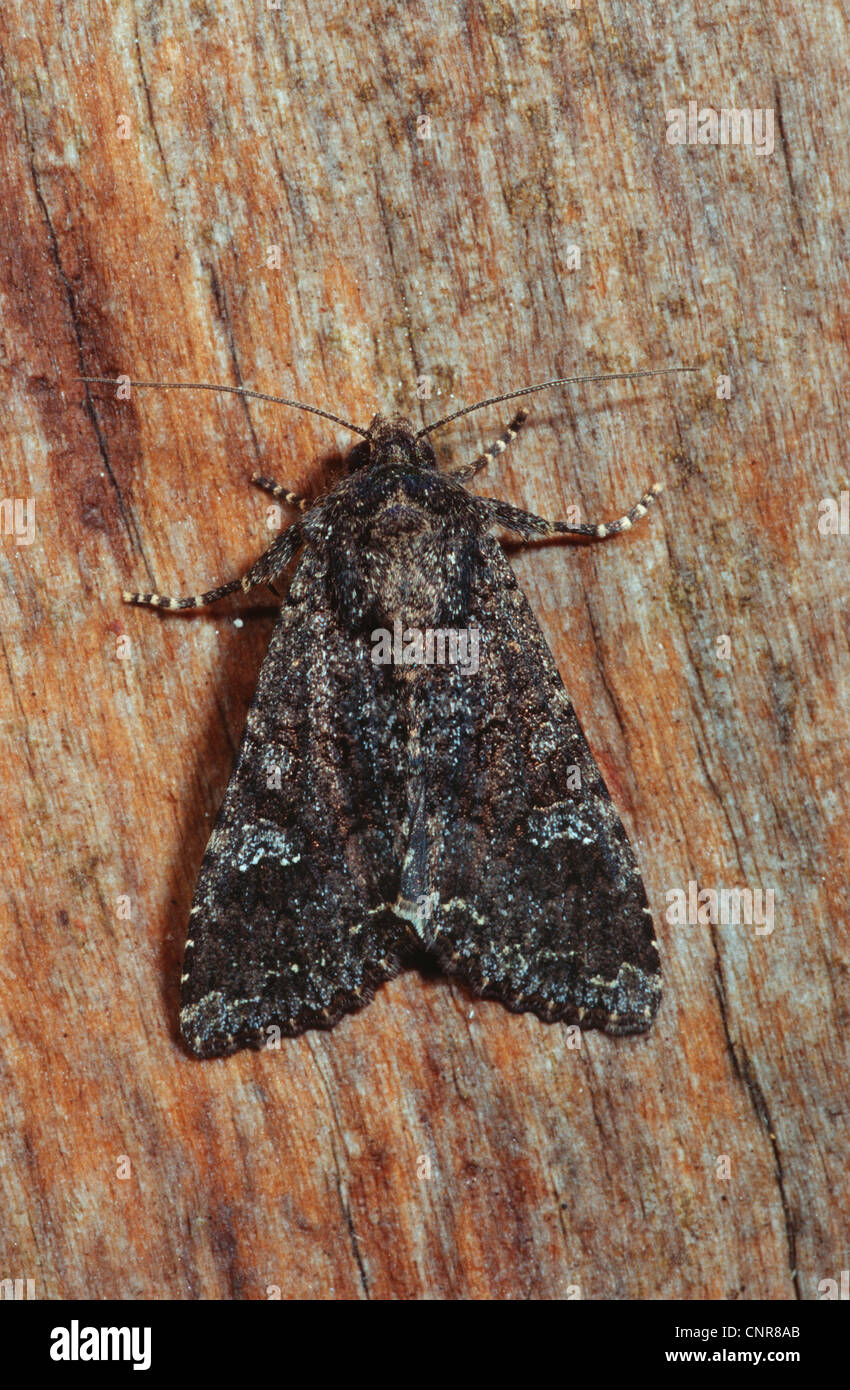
{"x": 287, "y": 926}
{"x": 528, "y": 887}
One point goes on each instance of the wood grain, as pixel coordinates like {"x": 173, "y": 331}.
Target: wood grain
{"x": 423, "y": 173}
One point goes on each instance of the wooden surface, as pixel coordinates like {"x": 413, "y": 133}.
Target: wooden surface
{"x": 552, "y": 1169}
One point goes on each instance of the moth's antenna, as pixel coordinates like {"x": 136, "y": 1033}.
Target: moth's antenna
{"x": 544, "y": 385}
{"x": 235, "y": 390}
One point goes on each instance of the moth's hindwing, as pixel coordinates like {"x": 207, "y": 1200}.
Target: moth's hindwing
{"x": 528, "y": 888}
{"x": 287, "y": 928}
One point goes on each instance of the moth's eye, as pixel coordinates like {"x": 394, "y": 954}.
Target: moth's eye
{"x": 425, "y": 456}
{"x": 359, "y": 456}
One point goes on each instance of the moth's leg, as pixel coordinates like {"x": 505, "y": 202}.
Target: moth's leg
{"x": 469, "y": 470}
{"x": 270, "y": 563}
{"x": 528, "y": 524}
{"x": 292, "y": 499}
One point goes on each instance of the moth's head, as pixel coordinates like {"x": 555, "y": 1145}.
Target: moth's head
{"x": 392, "y": 443}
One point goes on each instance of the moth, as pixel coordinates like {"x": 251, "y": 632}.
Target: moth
{"x": 382, "y": 809}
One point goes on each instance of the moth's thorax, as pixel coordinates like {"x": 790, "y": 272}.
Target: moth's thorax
{"x": 398, "y": 540}
{"x": 400, "y": 501}
{"x": 405, "y": 544}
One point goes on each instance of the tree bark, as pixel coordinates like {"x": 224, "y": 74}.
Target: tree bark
{"x": 354, "y": 209}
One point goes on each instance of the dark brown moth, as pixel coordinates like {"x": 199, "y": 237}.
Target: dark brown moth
{"x": 382, "y": 808}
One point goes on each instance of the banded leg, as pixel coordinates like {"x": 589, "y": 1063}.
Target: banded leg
{"x": 469, "y": 470}
{"x": 527, "y": 524}
{"x": 270, "y": 563}
{"x": 292, "y": 499}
